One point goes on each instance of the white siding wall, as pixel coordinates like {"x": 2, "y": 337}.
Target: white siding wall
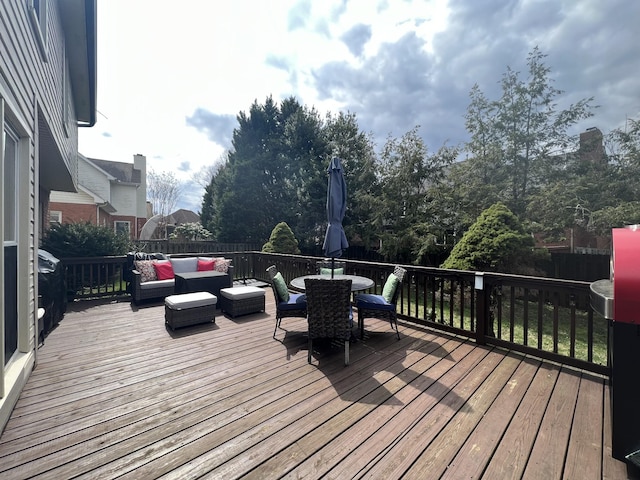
{"x": 123, "y": 198}
{"x": 28, "y": 83}
{"x": 94, "y": 179}
{"x": 70, "y": 197}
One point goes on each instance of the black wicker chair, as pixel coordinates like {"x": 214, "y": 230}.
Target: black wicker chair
{"x": 294, "y": 306}
{"x": 329, "y": 311}
{"x": 377, "y": 306}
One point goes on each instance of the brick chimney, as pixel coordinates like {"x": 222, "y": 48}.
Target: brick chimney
{"x": 591, "y": 146}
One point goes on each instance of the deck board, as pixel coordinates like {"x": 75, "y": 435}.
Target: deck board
{"x": 117, "y": 394}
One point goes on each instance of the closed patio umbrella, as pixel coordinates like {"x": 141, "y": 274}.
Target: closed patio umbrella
{"x": 335, "y": 239}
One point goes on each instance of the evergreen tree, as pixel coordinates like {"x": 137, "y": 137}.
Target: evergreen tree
{"x": 277, "y": 172}
{"x": 282, "y": 240}
{"x": 496, "y": 242}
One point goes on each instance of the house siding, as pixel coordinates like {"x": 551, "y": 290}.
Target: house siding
{"x": 31, "y": 88}
{"x": 123, "y": 198}
{"x": 95, "y": 180}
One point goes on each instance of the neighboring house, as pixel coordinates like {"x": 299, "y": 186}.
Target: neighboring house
{"x": 111, "y": 194}
{"x": 180, "y": 217}
{"x": 47, "y": 90}
{"x": 578, "y": 239}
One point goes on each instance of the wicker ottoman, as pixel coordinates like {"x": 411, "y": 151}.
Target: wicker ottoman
{"x": 241, "y": 300}
{"x": 189, "y": 309}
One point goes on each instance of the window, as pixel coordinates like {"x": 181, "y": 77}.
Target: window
{"x": 55, "y": 217}
{"x": 38, "y": 16}
{"x": 122, "y": 228}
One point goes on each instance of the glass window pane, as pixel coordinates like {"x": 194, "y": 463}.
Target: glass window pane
{"x": 10, "y": 185}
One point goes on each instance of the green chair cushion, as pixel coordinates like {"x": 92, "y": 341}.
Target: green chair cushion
{"x": 327, "y": 271}
{"x": 281, "y": 287}
{"x": 390, "y": 287}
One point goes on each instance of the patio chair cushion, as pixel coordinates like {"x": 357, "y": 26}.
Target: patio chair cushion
{"x": 390, "y": 287}
{"x": 281, "y": 287}
{"x": 373, "y": 302}
{"x": 164, "y": 269}
{"x": 295, "y": 302}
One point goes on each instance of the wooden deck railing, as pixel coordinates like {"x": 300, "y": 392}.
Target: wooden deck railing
{"x": 544, "y": 317}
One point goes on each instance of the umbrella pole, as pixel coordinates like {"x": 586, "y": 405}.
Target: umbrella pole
{"x": 333, "y": 264}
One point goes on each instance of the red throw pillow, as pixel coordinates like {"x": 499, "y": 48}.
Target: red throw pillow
{"x": 205, "y": 265}
{"x": 164, "y": 270}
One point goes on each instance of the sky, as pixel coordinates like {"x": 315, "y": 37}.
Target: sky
{"x": 173, "y": 76}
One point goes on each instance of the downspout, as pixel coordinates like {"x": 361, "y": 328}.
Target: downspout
{"x": 98, "y": 207}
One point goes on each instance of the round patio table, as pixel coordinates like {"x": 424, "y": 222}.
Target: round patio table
{"x": 357, "y": 283}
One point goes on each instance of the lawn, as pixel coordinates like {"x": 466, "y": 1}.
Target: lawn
{"x": 515, "y": 313}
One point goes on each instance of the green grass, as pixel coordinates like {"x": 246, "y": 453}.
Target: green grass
{"x": 547, "y": 323}
{"x": 116, "y": 288}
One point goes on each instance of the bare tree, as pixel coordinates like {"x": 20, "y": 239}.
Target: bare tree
{"x": 207, "y": 173}
{"x": 163, "y": 191}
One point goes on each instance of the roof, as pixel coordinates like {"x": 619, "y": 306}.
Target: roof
{"x": 121, "y": 171}
{"x": 182, "y": 216}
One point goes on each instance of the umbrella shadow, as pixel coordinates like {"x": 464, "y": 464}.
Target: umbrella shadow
{"x": 378, "y": 363}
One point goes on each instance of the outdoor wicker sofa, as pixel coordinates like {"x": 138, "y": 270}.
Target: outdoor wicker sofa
{"x": 155, "y": 289}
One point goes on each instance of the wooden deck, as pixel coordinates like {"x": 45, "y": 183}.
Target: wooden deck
{"x": 115, "y": 394}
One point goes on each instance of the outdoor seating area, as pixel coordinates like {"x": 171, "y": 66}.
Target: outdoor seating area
{"x": 227, "y": 400}
{"x": 155, "y": 276}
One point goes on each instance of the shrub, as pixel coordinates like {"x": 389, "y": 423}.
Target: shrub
{"x": 191, "y": 231}
{"x": 282, "y": 240}
{"x": 84, "y": 240}
{"x": 496, "y": 242}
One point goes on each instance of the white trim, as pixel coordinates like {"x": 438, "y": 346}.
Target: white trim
{"x": 39, "y": 24}
{"x": 66, "y": 94}
{"x": 14, "y": 185}
{"x": 3, "y": 375}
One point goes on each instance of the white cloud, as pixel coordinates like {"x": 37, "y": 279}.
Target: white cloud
{"x": 172, "y": 76}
